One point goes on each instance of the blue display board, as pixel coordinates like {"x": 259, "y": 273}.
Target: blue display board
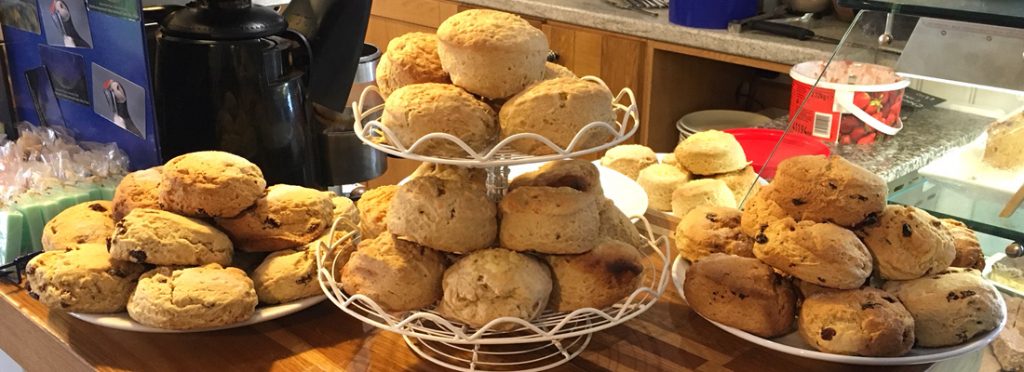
{"x": 83, "y": 64}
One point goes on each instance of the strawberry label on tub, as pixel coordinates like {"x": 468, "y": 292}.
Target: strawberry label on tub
{"x": 862, "y": 112}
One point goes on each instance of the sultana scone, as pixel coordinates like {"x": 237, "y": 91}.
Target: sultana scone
{"x": 190, "y": 298}
{"x": 616, "y": 225}
{"x": 139, "y": 189}
{"x": 599, "y": 278}
{"x": 552, "y": 220}
{"x": 414, "y": 111}
{"x": 210, "y": 184}
{"x": 164, "y": 238}
{"x": 828, "y": 189}
{"x": 286, "y": 216}
{"x": 949, "y": 307}
{"x": 287, "y": 275}
{"x": 89, "y": 222}
{"x": 494, "y": 283}
{"x": 820, "y": 253}
{"x": 373, "y": 210}
{"x": 968, "y": 249}
{"x": 709, "y": 229}
{"x": 398, "y": 275}
{"x": 908, "y": 243}
{"x": 84, "y": 279}
{"x": 867, "y": 322}
{"x": 445, "y": 215}
{"x": 558, "y": 110}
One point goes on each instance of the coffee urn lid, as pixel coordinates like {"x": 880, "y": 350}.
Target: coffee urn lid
{"x": 223, "y": 20}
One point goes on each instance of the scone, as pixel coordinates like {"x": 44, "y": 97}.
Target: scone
{"x": 740, "y": 182}
{"x": 820, "y": 253}
{"x": 760, "y": 211}
{"x": 286, "y": 216}
{"x": 949, "y": 307}
{"x": 710, "y": 229}
{"x": 475, "y": 176}
{"x": 558, "y": 109}
{"x": 410, "y": 59}
{"x": 710, "y": 152}
{"x": 139, "y": 189}
{"x": 89, "y": 222}
{"x": 445, "y": 215}
{"x": 866, "y": 322}
{"x": 1002, "y": 147}
{"x": 490, "y": 53}
{"x": 616, "y": 225}
{"x": 822, "y": 189}
{"x": 287, "y": 275}
{"x": 908, "y": 243}
{"x": 164, "y": 238}
{"x": 84, "y": 280}
{"x": 670, "y": 159}
{"x": 808, "y": 289}
{"x": 702, "y": 192}
{"x": 190, "y": 298}
{"x": 552, "y": 220}
{"x": 492, "y": 283}
{"x": 659, "y": 181}
{"x": 629, "y": 159}
{"x": 373, "y": 210}
{"x": 968, "y": 249}
{"x": 396, "y": 274}
{"x": 413, "y": 111}
{"x": 741, "y": 292}
{"x": 345, "y": 209}
{"x": 577, "y": 174}
{"x": 210, "y": 184}
{"x": 555, "y": 71}
{"x": 597, "y": 279}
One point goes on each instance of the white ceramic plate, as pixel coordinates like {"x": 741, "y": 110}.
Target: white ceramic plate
{"x": 794, "y": 345}
{"x": 988, "y": 270}
{"x": 265, "y": 313}
{"x": 962, "y": 167}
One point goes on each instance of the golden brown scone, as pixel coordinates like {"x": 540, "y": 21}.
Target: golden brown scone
{"x": 373, "y": 210}
{"x": 808, "y": 289}
{"x": 410, "y": 59}
{"x": 867, "y": 322}
{"x": 629, "y": 159}
{"x": 398, "y": 275}
{"x": 761, "y": 211}
{"x": 552, "y": 220}
{"x": 445, "y": 215}
{"x": 490, "y": 53}
{"x": 828, "y": 189}
{"x": 820, "y": 253}
{"x": 710, "y": 152}
{"x": 558, "y": 109}
{"x": 494, "y": 283}
{"x": 139, "y": 189}
{"x": 581, "y": 175}
{"x": 287, "y": 275}
{"x": 159, "y": 237}
{"x": 556, "y": 71}
{"x": 616, "y": 225}
{"x": 659, "y": 181}
{"x": 193, "y": 297}
{"x": 949, "y": 307}
{"x": 345, "y": 209}
{"x": 210, "y": 184}
{"x": 709, "y": 229}
{"x": 740, "y": 182}
{"x": 908, "y": 243}
{"x": 285, "y": 217}
{"x": 702, "y": 192}
{"x": 741, "y": 292}
{"x": 413, "y": 111}
{"x": 476, "y": 176}
{"x": 968, "y": 249}
{"x": 89, "y": 222}
{"x": 607, "y": 274}
{"x": 84, "y": 279}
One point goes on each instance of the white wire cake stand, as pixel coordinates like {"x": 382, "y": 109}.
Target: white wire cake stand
{"x": 549, "y": 340}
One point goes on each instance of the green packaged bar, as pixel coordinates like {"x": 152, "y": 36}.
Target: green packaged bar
{"x": 108, "y": 192}
{"x": 33, "y": 212}
{"x": 67, "y": 198}
{"x": 11, "y": 225}
{"x": 51, "y": 208}
{"x": 95, "y": 193}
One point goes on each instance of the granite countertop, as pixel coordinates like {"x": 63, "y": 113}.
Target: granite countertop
{"x": 927, "y": 134}
{"x": 599, "y": 15}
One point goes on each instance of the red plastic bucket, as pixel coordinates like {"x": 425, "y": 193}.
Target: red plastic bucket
{"x": 846, "y": 113}
{"x": 758, "y": 143}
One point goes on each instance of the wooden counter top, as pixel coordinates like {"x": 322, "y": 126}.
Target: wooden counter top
{"x": 668, "y": 337}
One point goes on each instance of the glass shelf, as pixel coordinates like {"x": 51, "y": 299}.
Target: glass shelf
{"x": 980, "y": 212}
{"x": 1008, "y": 13}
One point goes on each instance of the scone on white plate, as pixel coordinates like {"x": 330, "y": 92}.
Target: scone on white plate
{"x": 660, "y": 181}
{"x": 629, "y": 159}
{"x": 696, "y": 193}
{"x": 195, "y": 297}
{"x": 949, "y": 307}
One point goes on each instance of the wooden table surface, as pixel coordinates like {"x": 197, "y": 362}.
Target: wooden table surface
{"x": 668, "y": 337}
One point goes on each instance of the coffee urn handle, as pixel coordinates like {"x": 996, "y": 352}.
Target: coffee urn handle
{"x": 303, "y": 59}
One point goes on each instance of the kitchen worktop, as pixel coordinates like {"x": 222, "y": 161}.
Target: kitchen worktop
{"x": 599, "y": 15}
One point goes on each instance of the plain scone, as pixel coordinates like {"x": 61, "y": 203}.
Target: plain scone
{"x": 373, "y": 210}
{"x": 597, "y": 279}
{"x": 659, "y": 181}
{"x": 410, "y": 59}
{"x": 709, "y": 229}
{"x": 908, "y": 243}
{"x": 413, "y": 111}
{"x": 581, "y": 175}
{"x": 629, "y": 159}
{"x": 84, "y": 279}
{"x": 139, "y": 189}
{"x": 616, "y": 225}
{"x": 702, "y": 192}
{"x": 164, "y": 238}
{"x": 740, "y": 182}
{"x": 558, "y": 109}
{"x": 820, "y": 253}
{"x": 490, "y": 53}
{"x": 494, "y": 283}
{"x": 210, "y": 184}
{"x": 445, "y": 215}
{"x": 949, "y": 307}
{"x": 89, "y": 222}
{"x": 741, "y": 292}
{"x": 195, "y": 297}
{"x": 828, "y": 189}
{"x": 552, "y": 220}
{"x": 555, "y": 71}
{"x": 710, "y": 152}
{"x": 867, "y": 322}
{"x": 286, "y": 216}
{"x": 398, "y": 275}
